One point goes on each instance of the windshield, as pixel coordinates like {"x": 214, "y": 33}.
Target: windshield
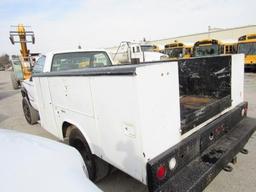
{"x": 247, "y": 48}
{"x": 206, "y": 50}
{"x": 147, "y": 48}
{"x": 174, "y": 52}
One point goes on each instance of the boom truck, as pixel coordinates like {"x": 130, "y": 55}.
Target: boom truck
{"x": 21, "y": 65}
{"x": 172, "y": 125}
{"x": 131, "y": 52}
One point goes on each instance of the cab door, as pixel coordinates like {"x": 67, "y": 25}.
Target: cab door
{"x": 29, "y": 84}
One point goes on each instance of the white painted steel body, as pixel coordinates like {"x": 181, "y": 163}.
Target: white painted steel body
{"x": 118, "y": 115}
{"x": 128, "y": 119}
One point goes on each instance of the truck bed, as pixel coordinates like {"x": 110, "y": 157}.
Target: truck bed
{"x": 205, "y": 90}
{"x": 197, "y": 109}
{"x": 191, "y": 103}
{"x": 204, "y": 85}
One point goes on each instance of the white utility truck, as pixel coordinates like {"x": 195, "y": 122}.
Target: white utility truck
{"x": 134, "y": 53}
{"x": 172, "y": 125}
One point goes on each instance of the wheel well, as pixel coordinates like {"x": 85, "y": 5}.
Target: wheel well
{"x": 66, "y": 130}
{"x": 78, "y": 144}
{"x": 25, "y": 95}
{"x": 65, "y": 127}
{"x": 23, "y": 92}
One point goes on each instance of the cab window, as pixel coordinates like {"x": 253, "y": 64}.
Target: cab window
{"x": 79, "y": 60}
{"x": 138, "y": 49}
{"x": 39, "y": 66}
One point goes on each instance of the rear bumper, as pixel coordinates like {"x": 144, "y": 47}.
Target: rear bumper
{"x": 201, "y": 171}
{"x": 198, "y": 170}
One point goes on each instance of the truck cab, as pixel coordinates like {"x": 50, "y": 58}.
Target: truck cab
{"x": 128, "y": 53}
{"x": 94, "y": 58}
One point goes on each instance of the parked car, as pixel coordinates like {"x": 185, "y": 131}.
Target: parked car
{"x": 31, "y": 163}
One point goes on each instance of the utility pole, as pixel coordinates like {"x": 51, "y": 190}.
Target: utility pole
{"x": 209, "y": 31}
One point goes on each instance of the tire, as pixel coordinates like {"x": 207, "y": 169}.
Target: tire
{"x": 15, "y": 83}
{"x": 31, "y": 115}
{"x": 77, "y": 140}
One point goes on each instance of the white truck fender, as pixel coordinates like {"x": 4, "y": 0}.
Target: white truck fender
{"x": 66, "y": 123}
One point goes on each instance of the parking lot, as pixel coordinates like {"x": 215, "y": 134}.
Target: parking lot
{"x": 242, "y": 178}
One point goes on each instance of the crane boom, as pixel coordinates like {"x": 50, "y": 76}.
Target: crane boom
{"x": 23, "y": 37}
{"x": 22, "y": 34}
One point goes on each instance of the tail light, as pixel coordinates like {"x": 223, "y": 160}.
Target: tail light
{"x": 172, "y": 163}
{"x": 161, "y": 172}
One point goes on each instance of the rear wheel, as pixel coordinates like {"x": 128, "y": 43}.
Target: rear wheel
{"x": 96, "y": 167}
{"x": 31, "y": 115}
{"x": 77, "y": 140}
{"x": 15, "y": 83}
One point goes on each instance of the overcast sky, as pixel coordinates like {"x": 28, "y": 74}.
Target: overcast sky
{"x": 65, "y": 24}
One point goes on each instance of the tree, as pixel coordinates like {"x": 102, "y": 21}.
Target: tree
{"x": 4, "y": 61}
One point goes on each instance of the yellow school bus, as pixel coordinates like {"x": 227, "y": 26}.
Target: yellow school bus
{"x": 229, "y": 48}
{"x": 187, "y": 52}
{"x": 247, "y": 45}
{"x": 207, "y": 47}
{"x": 177, "y": 50}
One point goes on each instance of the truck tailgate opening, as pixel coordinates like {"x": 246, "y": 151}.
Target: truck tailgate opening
{"x": 201, "y": 156}
{"x": 205, "y": 89}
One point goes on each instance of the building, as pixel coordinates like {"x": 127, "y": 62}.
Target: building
{"x": 228, "y": 35}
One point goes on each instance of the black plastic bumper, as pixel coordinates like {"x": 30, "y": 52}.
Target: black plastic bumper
{"x": 201, "y": 163}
